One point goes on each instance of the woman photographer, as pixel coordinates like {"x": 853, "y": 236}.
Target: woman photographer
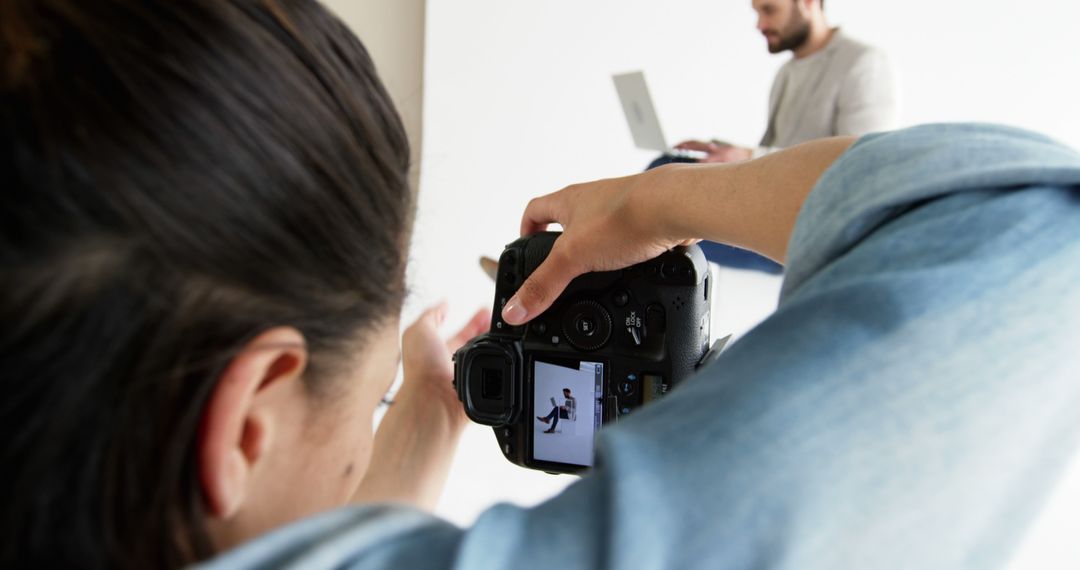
{"x": 204, "y": 239}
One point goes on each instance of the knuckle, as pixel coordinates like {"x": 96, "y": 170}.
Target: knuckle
{"x": 559, "y": 258}
{"x": 575, "y": 189}
{"x": 533, "y": 290}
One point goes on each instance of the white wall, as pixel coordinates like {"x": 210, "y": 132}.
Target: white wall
{"x": 519, "y": 102}
{"x": 980, "y": 60}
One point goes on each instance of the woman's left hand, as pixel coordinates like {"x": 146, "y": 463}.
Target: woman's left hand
{"x": 426, "y": 357}
{"x": 416, "y": 441}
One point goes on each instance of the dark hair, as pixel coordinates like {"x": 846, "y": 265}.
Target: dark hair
{"x": 177, "y": 178}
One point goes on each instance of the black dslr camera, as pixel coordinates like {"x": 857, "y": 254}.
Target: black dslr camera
{"x": 612, "y": 342}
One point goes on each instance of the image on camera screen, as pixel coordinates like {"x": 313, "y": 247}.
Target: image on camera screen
{"x": 567, "y": 410}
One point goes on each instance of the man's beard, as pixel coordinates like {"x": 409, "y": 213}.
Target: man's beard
{"x": 794, "y": 39}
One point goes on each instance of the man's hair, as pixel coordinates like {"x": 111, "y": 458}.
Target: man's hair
{"x": 177, "y": 178}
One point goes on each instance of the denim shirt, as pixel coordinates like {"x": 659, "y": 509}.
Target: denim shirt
{"x": 911, "y": 403}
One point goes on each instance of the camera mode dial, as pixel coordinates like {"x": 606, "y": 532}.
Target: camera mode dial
{"x": 587, "y": 325}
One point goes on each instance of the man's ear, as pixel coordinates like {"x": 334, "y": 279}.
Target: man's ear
{"x": 234, "y": 435}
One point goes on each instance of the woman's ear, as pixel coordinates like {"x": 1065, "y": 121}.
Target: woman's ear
{"x": 235, "y": 433}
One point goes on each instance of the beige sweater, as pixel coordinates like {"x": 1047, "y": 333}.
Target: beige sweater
{"x": 847, "y": 88}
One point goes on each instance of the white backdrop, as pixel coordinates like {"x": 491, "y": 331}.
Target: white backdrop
{"x": 519, "y": 102}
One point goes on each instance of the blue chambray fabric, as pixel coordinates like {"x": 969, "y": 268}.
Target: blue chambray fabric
{"x": 910, "y": 404}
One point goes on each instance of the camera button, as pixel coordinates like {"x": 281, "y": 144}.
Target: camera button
{"x": 539, "y": 327}
{"x": 626, "y": 388}
{"x": 585, "y": 326}
{"x": 655, "y": 317}
{"x": 621, "y": 298}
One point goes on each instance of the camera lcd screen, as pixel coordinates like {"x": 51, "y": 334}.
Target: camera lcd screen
{"x": 567, "y": 409}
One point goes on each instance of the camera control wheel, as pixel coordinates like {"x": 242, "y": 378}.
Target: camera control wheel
{"x": 587, "y": 325}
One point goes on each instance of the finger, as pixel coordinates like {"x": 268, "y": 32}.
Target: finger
{"x": 431, "y": 319}
{"x": 478, "y": 324}
{"x": 438, "y": 313}
{"x": 538, "y": 214}
{"x": 542, "y": 287}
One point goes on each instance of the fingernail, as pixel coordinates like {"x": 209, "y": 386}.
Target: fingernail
{"x": 513, "y": 312}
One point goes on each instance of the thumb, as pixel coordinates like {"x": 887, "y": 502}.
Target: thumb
{"x": 541, "y": 288}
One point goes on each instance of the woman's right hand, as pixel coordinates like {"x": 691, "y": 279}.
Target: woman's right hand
{"x": 607, "y": 225}
{"x": 615, "y": 223}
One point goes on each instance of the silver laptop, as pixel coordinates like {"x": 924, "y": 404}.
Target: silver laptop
{"x": 641, "y": 116}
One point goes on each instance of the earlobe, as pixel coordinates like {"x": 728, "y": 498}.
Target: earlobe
{"x": 234, "y": 436}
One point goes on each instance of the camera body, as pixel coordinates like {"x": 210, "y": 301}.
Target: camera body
{"x": 611, "y": 343}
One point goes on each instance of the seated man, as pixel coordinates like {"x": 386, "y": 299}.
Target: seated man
{"x": 833, "y": 85}
{"x": 565, "y": 411}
